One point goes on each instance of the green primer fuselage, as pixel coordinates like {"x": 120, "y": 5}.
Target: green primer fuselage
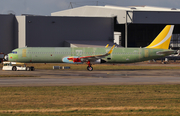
{"x": 56, "y": 54}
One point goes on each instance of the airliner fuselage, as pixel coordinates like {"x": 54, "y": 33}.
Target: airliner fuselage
{"x": 57, "y": 54}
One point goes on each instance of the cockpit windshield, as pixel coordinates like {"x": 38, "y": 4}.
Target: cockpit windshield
{"x": 14, "y": 52}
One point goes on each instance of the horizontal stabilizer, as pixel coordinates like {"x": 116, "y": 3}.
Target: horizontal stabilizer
{"x": 165, "y": 52}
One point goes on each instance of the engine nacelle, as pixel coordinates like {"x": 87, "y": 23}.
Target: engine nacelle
{"x": 77, "y": 60}
{"x": 99, "y": 61}
{"x": 72, "y": 59}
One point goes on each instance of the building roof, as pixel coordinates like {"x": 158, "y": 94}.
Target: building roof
{"x": 130, "y": 14}
{"x": 143, "y": 8}
{"x": 89, "y": 43}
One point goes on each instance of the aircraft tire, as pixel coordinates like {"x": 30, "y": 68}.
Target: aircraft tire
{"x": 14, "y": 68}
{"x": 32, "y": 68}
{"x": 27, "y": 68}
{"x": 89, "y": 68}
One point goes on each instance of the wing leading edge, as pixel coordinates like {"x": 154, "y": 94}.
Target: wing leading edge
{"x": 95, "y": 57}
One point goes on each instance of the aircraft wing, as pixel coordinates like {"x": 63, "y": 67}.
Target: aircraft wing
{"x": 95, "y": 57}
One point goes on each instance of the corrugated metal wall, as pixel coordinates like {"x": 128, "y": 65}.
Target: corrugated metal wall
{"x": 8, "y": 33}
{"x": 42, "y": 31}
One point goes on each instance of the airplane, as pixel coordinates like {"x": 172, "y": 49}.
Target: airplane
{"x": 79, "y": 55}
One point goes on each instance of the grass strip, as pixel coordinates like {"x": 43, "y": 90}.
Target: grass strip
{"x": 92, "y": 100}
{"x": 125, "y": 108}
{"x": 17, "y": 76}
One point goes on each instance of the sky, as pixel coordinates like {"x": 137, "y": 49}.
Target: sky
{"x": 46, "y": 7}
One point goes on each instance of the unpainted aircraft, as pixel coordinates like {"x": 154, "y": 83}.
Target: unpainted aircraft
{"x": 157, "y": 49}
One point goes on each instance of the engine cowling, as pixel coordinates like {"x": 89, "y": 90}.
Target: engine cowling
{"x": 72, "y": 59}
{"x": 99, "y": 61}
{"x": 77, "y": 60}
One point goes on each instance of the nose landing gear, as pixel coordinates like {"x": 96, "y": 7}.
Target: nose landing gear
{"x": 89, "y": 67}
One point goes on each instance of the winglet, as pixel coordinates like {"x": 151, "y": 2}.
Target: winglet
{"x": 107, "y": 46}
{"x": 110, "y": 51}
{"x": 162, "y": 41}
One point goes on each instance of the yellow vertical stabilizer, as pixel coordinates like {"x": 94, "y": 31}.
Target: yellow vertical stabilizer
{"x": 162, "y": 41}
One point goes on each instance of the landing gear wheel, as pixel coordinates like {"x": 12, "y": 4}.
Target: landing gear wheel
{"x": 32, "y": 68}
{"x": 14, "y": 68}
{"x": 89, "y": 68}
{"x": 27, "y": 68}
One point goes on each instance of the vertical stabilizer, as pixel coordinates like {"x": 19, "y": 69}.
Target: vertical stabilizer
{"x": 162, "y": 41}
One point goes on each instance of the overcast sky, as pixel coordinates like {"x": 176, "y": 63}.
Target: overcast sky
{"x": 46, "y": 7}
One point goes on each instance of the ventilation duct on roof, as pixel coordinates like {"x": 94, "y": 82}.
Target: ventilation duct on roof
{"x": 133, "y": 8}
{"x": 173, "y": 9}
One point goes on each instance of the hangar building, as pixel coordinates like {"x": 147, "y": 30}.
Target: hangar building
{"x": 88, "y": 26}
{"x": 8, "y": 33}
{"x": 138, "y": 25}
{"x": 55, "y": 31}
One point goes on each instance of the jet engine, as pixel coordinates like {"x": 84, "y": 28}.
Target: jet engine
{"x": 99, "y": 61}
{"x": 77, "y": 60}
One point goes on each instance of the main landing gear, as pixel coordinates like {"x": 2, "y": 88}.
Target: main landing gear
{"x": 89, "y": 67}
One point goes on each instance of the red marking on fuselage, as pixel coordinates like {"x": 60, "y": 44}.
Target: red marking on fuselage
{"x": 70, "y": 58}
{"x": 75, "y": 59}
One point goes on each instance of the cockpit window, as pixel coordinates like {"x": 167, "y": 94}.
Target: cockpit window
{"x": 14, "y": 52}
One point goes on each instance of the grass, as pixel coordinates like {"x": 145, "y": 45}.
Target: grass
{"x": 91, "y": 100}
{"x": 17, "y": 75}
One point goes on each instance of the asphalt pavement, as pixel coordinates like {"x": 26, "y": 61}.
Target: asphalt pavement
{"x": 69, "y": 77}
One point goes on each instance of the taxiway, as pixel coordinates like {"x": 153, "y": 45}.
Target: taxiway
{"x": 68, "y": 77}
